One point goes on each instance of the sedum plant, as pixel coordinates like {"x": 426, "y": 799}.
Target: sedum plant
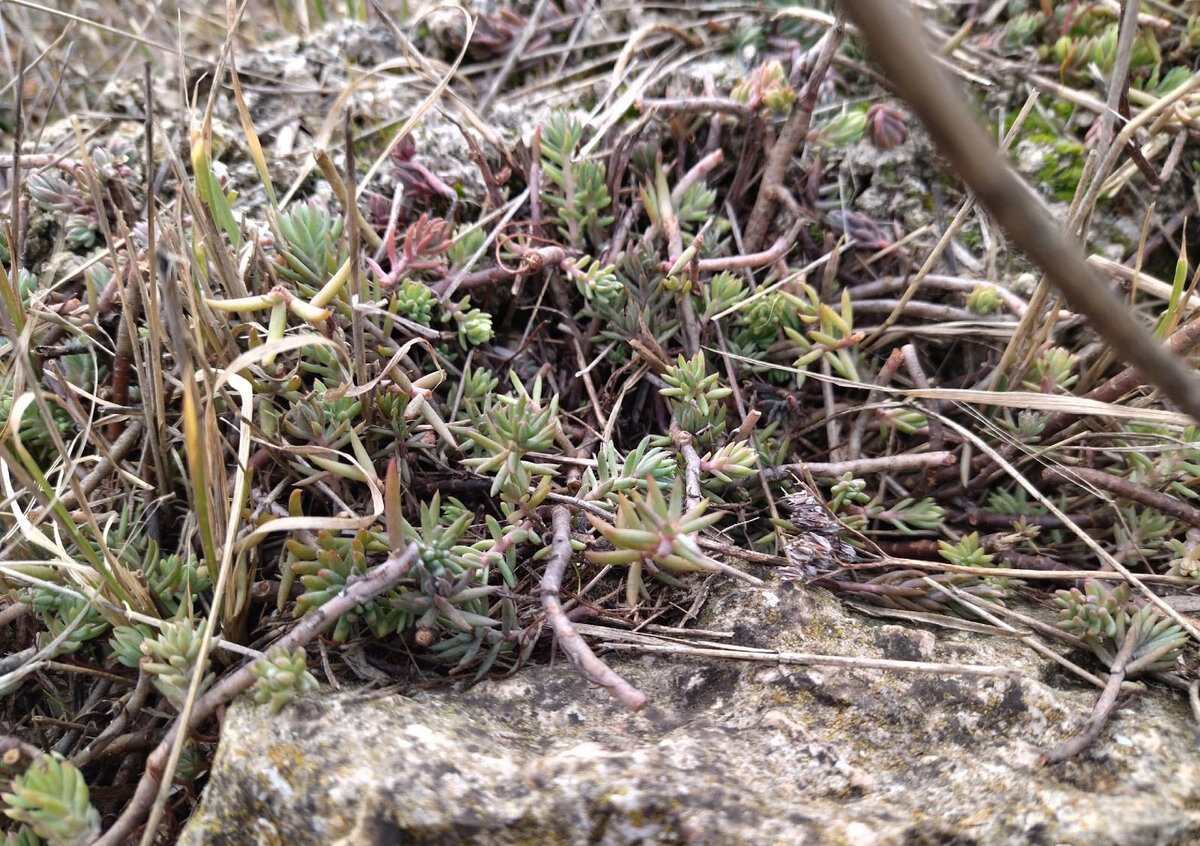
{"x": 171, "y": 657}
{"x": 766, "y": 86}
{"x": 281, "y": 677}
{"x": 324, "y": 572}
{"x": 653, "y": 534}
{"x": 696, "y": 397}
{"x": 513, "y": 426}
{"x": 1105, "y": 618}
{"x": 580, "y": 193}
{"x": 308, "y": 247}
{"x": 71, "y": 620}
{"x": 966, "y": 553}
{"x": 1186, "y": 562}
{"x": 830, "y": 336}
{"x": 51, "y": 797}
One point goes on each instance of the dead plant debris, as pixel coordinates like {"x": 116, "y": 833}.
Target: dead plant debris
{"x": 436, "y": 331}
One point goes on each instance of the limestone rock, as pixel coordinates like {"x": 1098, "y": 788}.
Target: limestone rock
{"x": 727, "y": 753}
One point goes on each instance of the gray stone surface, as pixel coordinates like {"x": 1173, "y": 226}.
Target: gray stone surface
{"x": 727, "y": 752}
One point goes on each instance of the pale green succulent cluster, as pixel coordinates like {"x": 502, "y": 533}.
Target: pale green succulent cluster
{"x": 51, "y": 798}
{"x": 172, "y": 656}
{"x": 653, "y": 534}
{"x": 1105, "y": 617}
{"x": 281, "y": 677}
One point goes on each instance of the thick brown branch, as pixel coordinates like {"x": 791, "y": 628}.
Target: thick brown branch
{"x": 1129, "y": 490}
{"x": 793, "y": 134}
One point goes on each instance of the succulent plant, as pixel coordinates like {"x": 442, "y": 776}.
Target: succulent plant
{"x": 842, "y": 129}
{"x": 966, "y": 553}
{"x": 595, "y": 281}
{"x": 910, "y": 515}
{"x": 614, "y": 475}
{"x": 523, "y": 350}
{"x": 580, "y": 195}
{"x": 695, "y": 397}
{"x": 474, "y": 325}
{"x": 1104, "y": 617}
{"x": 126, "y": 642}
{"x": 280, "y": 677}
{"x": 1053, "y": 370}
{"x": 325, "y": 570}
{"x": 513, "y": 426}
{"x": 984, "y": 300}
{"x": 1187, "y": 555}
{"x": 848, "y": 491}
{"x": 734, "y": 460}
{"x": 308, "y": 248}
{"x": 171, "y": 657}
{"x": 767, "y": 86}
{"x": 73, "y": 617}
{"x": 654, "y": 533}
{"x": 51, "y": 797}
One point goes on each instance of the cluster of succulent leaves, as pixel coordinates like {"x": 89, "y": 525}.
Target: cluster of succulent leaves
{"x": 1079, "y": 36}
{"x": 579, "y": 192}
{"x": 857, "y": 509}
{"x": 66, "y": 193}
{"x": 281, "y": 677}
{"x": 50, "y": 799}
{"x": 1105, "y": 617}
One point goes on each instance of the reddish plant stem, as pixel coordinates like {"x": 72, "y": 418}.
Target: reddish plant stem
{"x": 1129, "y": 490}
{"x": 476, "y": 279}
{"x": 957, "y": 284}
{"x": 10, "y": 746}
{"x": 491, "y": 181}
{"x": 918, "y": 309}
{"x": 535, "y": 184}
{"x": 917, "y": 548}
{"x": 569, "y": 640}
{"x": 700, "y": 170}
{"x": 758, "y": 259}
{"x": 12, "y": 612}
{"x": 793, "y": 135}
